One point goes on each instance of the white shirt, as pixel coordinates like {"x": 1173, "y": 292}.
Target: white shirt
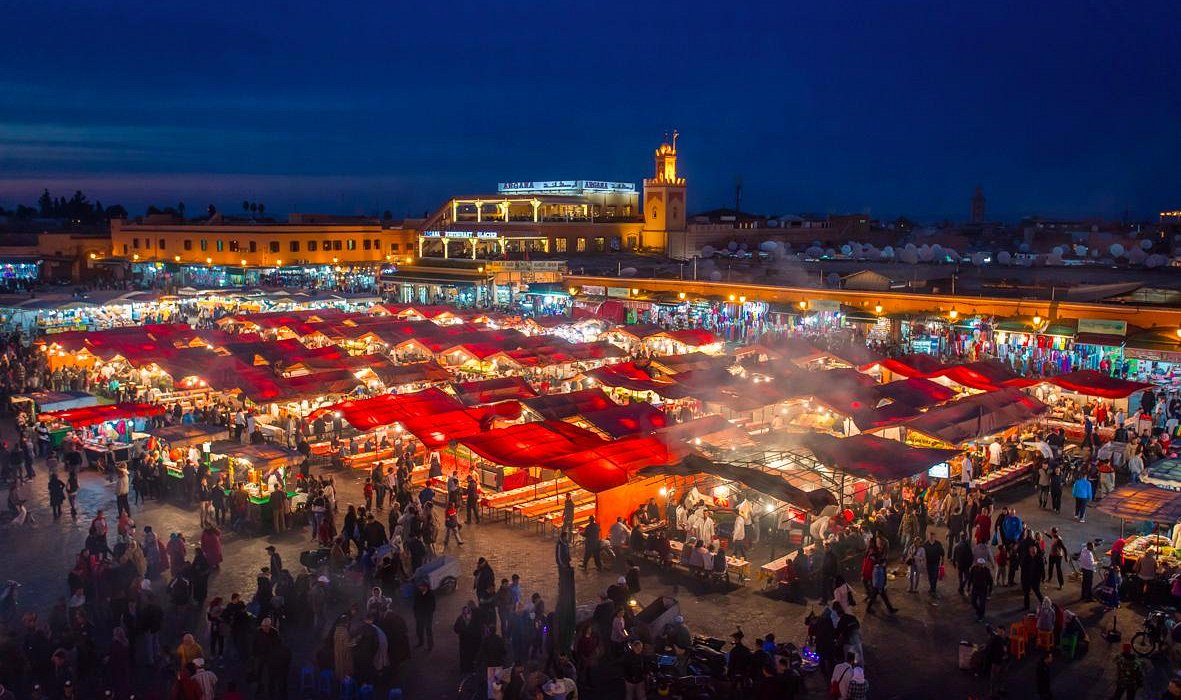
{"x": 841, "y": 675}
{"x": 619, "y": 534}
{"x": 739, "y": 533}
{"x": 1086, "y": 560}
{"x": 994, "y": 454}
{"x": 1135, "y": 464}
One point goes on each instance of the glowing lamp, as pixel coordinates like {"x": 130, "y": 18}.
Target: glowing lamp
{"x": 681, "y": 295}
{"x": 635, "y": 291}
{"x": 93, "y": 256}
{"x": 1037, "y": 320}
{"x": 769, "y": 507}
{"x": 742, "y": 300}
{"x": 573, "y": 291}
{"x": 721, "y": 491}
{"x": 877, "y": 309}
{"x": 208, "y": 261}
{"x": 803, "y": 305}
{"x": 135, "y": 257}
{"x": 732, "y": 297}
{"x": 176, "y": 258}
{"x": 663, "y": 491}
{"x": 953, "y": 314}
{"x": 243, "y": 262}
{"x": 279, "y": 263}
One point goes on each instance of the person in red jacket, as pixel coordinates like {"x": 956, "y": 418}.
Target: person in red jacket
{"x": 983, "y": 526}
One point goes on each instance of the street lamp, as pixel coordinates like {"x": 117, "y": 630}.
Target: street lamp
{"x": 1037, "y": 321}
{"x": 176, "y": 258}
{"x": 953, "y": 314}
{"x": 877, "y": 309}
{"x": 208, "y": 261}
{"x": 803, "y": 306}
{"x": 135, "y": 257}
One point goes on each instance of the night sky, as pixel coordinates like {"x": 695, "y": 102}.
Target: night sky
{"x": 1057, "y": 108}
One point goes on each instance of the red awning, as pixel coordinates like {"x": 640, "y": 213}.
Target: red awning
{"x": 1091, "y": 383}
{"x": 387, "y": 409}
{"x": 560, "y": 406}
{"x": 619, "y": 421}
{"x": 612, "y": 464}
{"x": 90, "y": 415}
{"x": 915, "y": 392}
{"x": 626, "y": 375}
{"x": 924, "y": 366}
{"x": 489, "y": 390}
{"x": 986, "y": 375}
{"x": 874, "y": 458}
{"x": 531, "y": 444}
{"x": 693, "y": 337}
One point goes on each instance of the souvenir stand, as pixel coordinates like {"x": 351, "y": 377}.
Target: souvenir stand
{"x": 37, "y": 402}
{"x": 1066, "y": 394}
{"x": 176, "y": 443}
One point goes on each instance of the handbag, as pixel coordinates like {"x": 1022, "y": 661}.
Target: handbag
{"x": 942, "y": 572}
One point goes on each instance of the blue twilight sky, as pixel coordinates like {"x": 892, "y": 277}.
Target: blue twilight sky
{"x": 1065, "y": 108}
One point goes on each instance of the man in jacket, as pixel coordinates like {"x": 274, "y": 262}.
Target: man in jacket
{"x": 980, "y": 585}
{"x": 424, "y": 614}
{"x": 961, "y": 557}
{"x": 592, "y": 544}
{"x": 1033, "y": 570}
{"x": 933, "y": 548}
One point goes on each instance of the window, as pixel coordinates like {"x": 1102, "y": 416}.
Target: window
{"x": 653, "y": 212}
{"x": 161, "y": 244}
{"x": 368, "y": 244}
{"x": 311, "y": 246}
{"x": 580, "y": 245}
{"x": 632, "y": 243}
{"x": 188, "y": 245}
{"x": 135, "y": 243}
{"x": 336, "y": 245}
{"x": 393, "y": 247}
{"x": 204, "y": 244}
{"x": 600, "y": 244}
{"x": 327, "y": 245}
{"x": 233, "y": 246}
{"x": 559, "y": 245}
{"x": 377, "y": 244}
{"x": 253, "y": 246}
{"x": 294, "y": 247}
{"x": 220, "y": 245}
{"x": 352, "y": 244}
{"x": 274, "y": 246}
{"x": 125, "y": 249}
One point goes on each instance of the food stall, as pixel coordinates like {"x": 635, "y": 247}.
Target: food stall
{"x": 258, "y": 468}
{"x": 1158, "y": 512}
{"x": 1067, "y": 394}
{"x": 37, "y": 402}
{"x": 109, "y": 430}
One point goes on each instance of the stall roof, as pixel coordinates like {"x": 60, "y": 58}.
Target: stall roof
{"x": 985, "y": 375}
{"x": 1092, "y": 383}
{"x": 91, "y": 415}
{"x": 399, "y": 375}
{"x": 916, "y": 392}
{"x": 618, "y": 421}
{"x": 627, "y": 375}
{"x": 639, "y": 331}
{"x": 874, "y": 458}
{"x": 258, "y": 455}
{"x": 977, "y": 416}
{"x": 489, "y": 390}
{"x": 560, "y": 406}
{"x": 187, "y": 433}
{"x": 690, "y": 362}
{"x": 387, "y": 409}
{"x": 531, "y": 444}
{"x": 612, "y": 464}
{"x": 692, "y": 337}
{"x": 917, "y": 365}
{"x": 1142, "y": 502}
{"x": 773, "y": 485}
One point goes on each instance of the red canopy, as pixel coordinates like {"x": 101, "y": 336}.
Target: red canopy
{"x": 918, "y": 365}
{"x": 531, "y": 444}
{"x": 612, "y": 464}
{"x": 489, "y": 390}
{"x": 1092, "y": 383}
{"x": 90, "y": 415}
{"x": 916, "y": 392}
{"x": 627, "y": 375}
{"x": 874, "y": 458}
{"x": 560, "y": 406}
{"x": 387, "y": 409}
{"x": 618, "y": 421}
{"x": 986, "y": 375}
{"x": 693, "y": 337}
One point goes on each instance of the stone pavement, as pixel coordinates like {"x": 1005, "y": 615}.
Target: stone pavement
{"x": 910, "y": 655}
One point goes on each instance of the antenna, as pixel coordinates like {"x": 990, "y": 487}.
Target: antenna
{"x": 737, "y": 194}
{"x": 675, "y": 135}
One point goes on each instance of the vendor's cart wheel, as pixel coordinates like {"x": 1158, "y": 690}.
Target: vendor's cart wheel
{"x": 1142, "y": 644}
{"x": 448, "y": 584}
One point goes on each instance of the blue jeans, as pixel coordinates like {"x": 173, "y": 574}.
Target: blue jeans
{"x": 1080, "y": 508}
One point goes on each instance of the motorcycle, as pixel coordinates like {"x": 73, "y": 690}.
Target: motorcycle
{"x": 1153, "y": 636}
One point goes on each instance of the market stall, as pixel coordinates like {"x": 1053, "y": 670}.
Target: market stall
{"x": 107, "y": 432}
{"x": 1157, "y": 514}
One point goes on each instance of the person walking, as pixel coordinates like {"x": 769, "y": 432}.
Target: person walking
{"x": 1082, "y": 493}
{"x": 472, "y": 502}
{"x": 934, "y": 558}
{"x": 1086, "y": 564}
{"x": 961, "y": 558}
{"x": 424, "y": 615}
{"x": 57, "y": 495}
{"x": 1057, "y": 553}
{"x": 592, "y": 544}
{"x": 122, "y": 489}
{"x": 568, "y": 516}
{"x": 878, "y": 588}
{"x": 1033, "y": 571}
{"x": 980, "y": 584}
{"x": 996, "y": 654}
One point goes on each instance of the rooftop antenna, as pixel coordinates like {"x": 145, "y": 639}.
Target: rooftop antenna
{"x": 737, "y": 194}
{"x": 675, "y": 135}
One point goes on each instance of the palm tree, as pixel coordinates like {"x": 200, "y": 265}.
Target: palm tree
{"x": 245, "y": 207}
{"x": 180, "y": 209}
{"x": 262, "y": 208}
{"x": 253, "y": 208}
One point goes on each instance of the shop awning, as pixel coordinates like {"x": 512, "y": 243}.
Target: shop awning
{"x": 387, "y": 409}
{"x": 184, "y": 435}
{"x": 1104, "y": 339}
{"x": 917, "y": 365}
{"x": 977, "y": 416}
{"x": 489, "y": 390}
{"x": 692, "y": 337}
{"x": 631, "y": 419}
{"x": 561, "y": 406}
{"x": 626, "y": 375}
{"x": 264, "y": 455}
{"x": 916, "y": 392}
{"x": 767, "y": 483}
{"x": 1091, "y": 383}
{"x": 92, "y": 415}
{"x": 873, "y": 458}
{"x": 531, "y": 444}
{"x": 1142, "y": 502}
{"x": 400, "y": 375}
{"x": 985, "y": 375}
{"x": 612, "y": 464}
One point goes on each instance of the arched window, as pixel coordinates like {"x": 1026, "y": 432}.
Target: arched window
{"x": 653, "y": 212}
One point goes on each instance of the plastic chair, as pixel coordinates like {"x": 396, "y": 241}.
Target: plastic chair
{"x": 307, "y": 679}
{"x": 1030, "y": 626}
{"x": 394, "y": 694}
{"x": 1069, "y": 645}
{"x": 1017, "y": 630}
{"x": 1017, "y": 647}
{"x": 327, "y": 681}
{"x": 348, "y": 689}
{"x": 1045, "y": 640}
{"x": 366, "y": 692}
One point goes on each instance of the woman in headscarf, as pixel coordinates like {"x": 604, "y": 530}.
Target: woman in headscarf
{"x": 176, "y": 553}
{"x": 151, "y": 552}
{"x": 211, "y": 545}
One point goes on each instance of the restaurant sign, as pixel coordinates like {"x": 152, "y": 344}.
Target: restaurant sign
{"x": 1102, "y": 326}
{"x": 619, "y": 292}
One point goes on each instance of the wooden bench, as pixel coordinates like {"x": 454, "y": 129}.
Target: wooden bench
{"x": 553, "y": 504}
{"x": 739, "y": 567}
{"x": 769, "y": 572}
{"x": 582, "y": 515}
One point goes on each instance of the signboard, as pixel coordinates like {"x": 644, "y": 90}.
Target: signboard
{"x": 619, "y": 292}
{"x": 557, "y": 186}
{"x": 431, "y": 234}
{"x": 940, "y": 471}
{"x": 1102, "y": 326}
{"x": 457, "y": 234}
{"x": 594, "y": 290}
{"x": 917, "y": 439}
{"x": 486, "y": 235}
{"x": 824, "y": 305}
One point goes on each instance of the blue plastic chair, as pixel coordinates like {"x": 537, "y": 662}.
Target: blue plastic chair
{"x": 307, "y": 679}
{"x": 327, "y": 681}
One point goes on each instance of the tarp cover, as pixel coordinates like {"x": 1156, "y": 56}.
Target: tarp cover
{"x": 618, "y": 421}
{"x": 90, "y": 415}
{"x": 560, "y": 406}
{"x": 489, "y": 390}
{"x": 627, "y": 375}
{"x": 985, "y": 375}
{"x": 917, "y": 365}
{"x": 612, "y": 464}
{"x": 977, "y": 416}
{"x": 531, "y": 444}
{"x": 387, "y": 409}
{"x": 773, "y": 485}
{"x": 874, "y": 458}
{"x": 1142, "y": 502}
{"x": 1091, "y": 383}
